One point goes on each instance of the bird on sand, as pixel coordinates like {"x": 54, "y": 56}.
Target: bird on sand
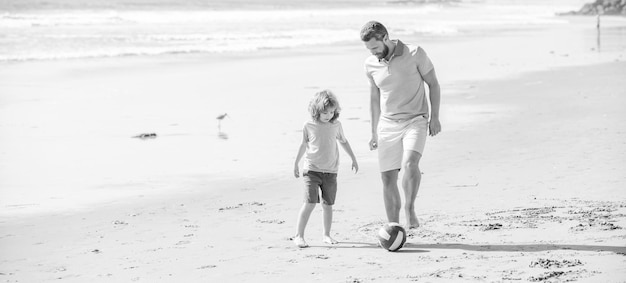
{"x": 219, "y": 120}
{"x": 221, "y": 117}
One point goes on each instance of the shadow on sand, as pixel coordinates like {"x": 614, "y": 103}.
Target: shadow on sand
{"x": 518, "y": 248}
{"x": 421, "y": 248}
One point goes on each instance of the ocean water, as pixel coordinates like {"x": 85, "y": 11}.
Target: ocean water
{"x": 84, "y": 154}
{"x": 63, "y": 29}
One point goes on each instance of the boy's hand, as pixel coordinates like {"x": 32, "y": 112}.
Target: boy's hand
{"x": 296, "y": 171}
{"x": 355, "y": 166}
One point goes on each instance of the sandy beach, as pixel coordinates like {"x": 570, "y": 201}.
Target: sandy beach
{"x": 524, "y": 184}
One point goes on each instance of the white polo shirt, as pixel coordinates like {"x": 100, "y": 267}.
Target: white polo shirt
{"x": 402, "y": 94}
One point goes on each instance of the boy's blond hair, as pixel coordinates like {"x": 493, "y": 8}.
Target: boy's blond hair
{"x": 322, "y": 101}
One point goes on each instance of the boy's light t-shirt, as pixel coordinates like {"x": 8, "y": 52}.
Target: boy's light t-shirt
{"x": 322, "y": 154}
{"x": 402, "y": 93}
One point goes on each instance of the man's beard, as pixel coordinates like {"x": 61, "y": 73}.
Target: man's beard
{"x": 383, "y": 54}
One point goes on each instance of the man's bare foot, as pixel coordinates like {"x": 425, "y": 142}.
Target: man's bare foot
{"x": 412, "y": 222}
{"x": 413, "y": 226}
{"x": 330, "y": 240}
{"x": 300, "y": 242}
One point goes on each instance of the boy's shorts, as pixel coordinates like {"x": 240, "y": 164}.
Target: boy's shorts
{"x": 314, "y": 182}
{"x": 396, "y": 137}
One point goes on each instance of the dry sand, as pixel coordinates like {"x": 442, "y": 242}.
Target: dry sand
{"x": 526, "y": 183}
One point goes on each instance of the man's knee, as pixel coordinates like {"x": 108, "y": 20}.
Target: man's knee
{"x": 389, "y": 177}
{"x": 411, "y": 162}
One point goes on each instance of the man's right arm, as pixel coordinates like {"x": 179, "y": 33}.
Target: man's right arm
{"x": 374, "y": 113}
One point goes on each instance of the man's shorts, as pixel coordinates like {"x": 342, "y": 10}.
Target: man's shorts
{"x": 314, "y": 182}
{"x": 396, "y": 137}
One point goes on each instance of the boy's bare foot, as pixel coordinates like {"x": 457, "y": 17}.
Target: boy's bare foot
{"x": 330, "y": 240}
{"x": 300, "y": 242}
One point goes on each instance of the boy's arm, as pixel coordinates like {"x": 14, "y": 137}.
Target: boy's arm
{"x": 301, "y": 151}
{"x": 430, "y": 78}
{"x": 346, "y": 146}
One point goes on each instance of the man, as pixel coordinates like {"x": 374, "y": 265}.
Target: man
{"x": 400, "y": 114}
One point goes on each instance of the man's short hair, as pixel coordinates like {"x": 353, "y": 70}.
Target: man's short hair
{"x": 373, "y": 29}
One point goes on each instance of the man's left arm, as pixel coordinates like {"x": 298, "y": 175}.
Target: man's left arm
{"x": 430, "y": 78}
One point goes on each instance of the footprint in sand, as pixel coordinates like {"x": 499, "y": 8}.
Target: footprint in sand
{"x": 273, "y": 221}
{"x": 192, "y": 226}
{"x": 548, "y": 276}
{"x": 551, "y": 263}
{"x": 494, "y": 226}
{"x": 434, "y": 236}
{"x": 320, "y": 256}
{"x": 370, "y": 229}
{"x": 119, "y": 222}
{"x": 241, "y": 205}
